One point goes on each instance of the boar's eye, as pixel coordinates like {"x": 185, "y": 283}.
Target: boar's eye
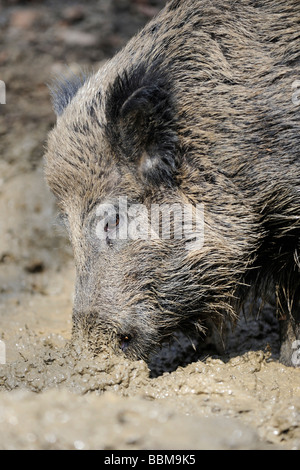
{"x": 124, "y": 342}
{"x": 112, "y": 223}
{"x": 104, "y": 225}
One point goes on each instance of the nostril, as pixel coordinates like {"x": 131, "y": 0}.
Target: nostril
{"x": 124, "y": 342}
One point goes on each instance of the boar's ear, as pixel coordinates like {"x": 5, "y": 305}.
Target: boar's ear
{"x": 63, "y": 88}
{"x": 141, "y": 122}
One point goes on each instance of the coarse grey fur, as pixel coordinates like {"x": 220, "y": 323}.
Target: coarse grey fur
{"x": 197, "y": 108}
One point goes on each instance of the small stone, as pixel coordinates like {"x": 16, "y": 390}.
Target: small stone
{"x": 24, "y": 18}
{"x": 77, "y": 38}
{"x": 73, "y": 14}
{"x": 35, "y": 266}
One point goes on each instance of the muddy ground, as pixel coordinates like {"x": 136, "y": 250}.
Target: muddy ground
{"x": 53, "y": 395}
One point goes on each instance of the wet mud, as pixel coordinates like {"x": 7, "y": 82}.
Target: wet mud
{"x": 53, "y": 393}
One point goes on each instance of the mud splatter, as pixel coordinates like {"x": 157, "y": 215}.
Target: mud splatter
{"x": 247, "y": 402}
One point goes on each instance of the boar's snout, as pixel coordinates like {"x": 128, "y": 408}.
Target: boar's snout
{"x": 100, "y": 332}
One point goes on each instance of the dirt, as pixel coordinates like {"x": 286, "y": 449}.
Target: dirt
{"x": 53, "y": 393}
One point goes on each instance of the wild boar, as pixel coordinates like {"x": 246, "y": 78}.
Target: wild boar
{"x": 200, "y": 109}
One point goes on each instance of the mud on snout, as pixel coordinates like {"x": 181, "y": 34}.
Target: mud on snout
{"x": 101, "y": 334}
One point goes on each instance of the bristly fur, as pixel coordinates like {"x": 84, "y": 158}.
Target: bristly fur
{"x": 64, "y": 87}
{"x": 196, "y": 109}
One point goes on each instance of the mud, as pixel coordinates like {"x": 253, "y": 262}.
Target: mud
{"x": 53, "y": 393}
